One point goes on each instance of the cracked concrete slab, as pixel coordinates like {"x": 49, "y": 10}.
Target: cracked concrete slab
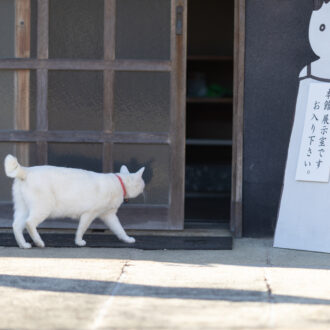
{"x": 252, "y": 286}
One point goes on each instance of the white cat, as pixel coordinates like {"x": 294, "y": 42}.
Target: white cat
{"x": 40, "y": 192}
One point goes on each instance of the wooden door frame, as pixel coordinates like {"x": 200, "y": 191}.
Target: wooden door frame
{"x": 164, "y": 216}
{"x": 236, "y": 218}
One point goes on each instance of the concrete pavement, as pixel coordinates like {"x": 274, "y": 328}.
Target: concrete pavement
{"x": 253, "y": 286}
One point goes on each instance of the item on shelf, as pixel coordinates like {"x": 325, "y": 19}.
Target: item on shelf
{"x": 212, "y": 178}
{"x": 196, "y": 85}
{"x": 216, "y": 90}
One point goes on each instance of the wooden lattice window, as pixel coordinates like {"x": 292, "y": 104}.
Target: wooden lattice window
{"x": 95, "y": 84}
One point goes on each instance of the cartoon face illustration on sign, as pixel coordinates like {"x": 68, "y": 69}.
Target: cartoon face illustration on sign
{"x": 304, "y": 214}
{"x": 319, "y": 30}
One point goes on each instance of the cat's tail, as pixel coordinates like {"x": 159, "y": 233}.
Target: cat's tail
{"x": 13, "y": 169}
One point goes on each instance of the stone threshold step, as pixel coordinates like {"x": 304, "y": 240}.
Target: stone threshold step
{"x": 190, "y": 239}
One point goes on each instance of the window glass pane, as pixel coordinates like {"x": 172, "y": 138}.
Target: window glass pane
{"x": 142, "y": 101}
{"x": 155, "y": 158}
{"x": 87, "y": 156}
{"x": 76, "y": 28}
{"x": 143, "y": 29}
{"x": 7, "y": 24}
{"x": 7, "y": 96}
{"x": 18, "y": 95}
{"x": 9, "y": 20}
{"x": 26, "y": 155}
{"x": 75, "y": 100}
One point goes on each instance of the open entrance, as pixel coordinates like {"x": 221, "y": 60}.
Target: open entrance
{"x": 209, "y": 112}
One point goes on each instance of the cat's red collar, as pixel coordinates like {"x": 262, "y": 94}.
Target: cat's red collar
{"x": 122, "y": 185}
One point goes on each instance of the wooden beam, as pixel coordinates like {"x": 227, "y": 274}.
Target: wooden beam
{"x": 108, "y": 80}
{"x": 108, "y": 110}
{"x": 100, "y": 65}
{"x": 42, "y": 152}
{"x": 22, "y": 77}
{"x": 107, "y": 159}
{"x": 236, "y": 223}
{"x": 84, "y": 136}
{"x": 42, "y": 28}
{"x": 108, "y": 100}
{"x": 178, "y": 114}
{"x": 42, "y": 116}
{"x": 23, "y": 28}
{"x": 109, "y": 57}
{"x": 42, "y": 78}
{"x": 109, "y": 29}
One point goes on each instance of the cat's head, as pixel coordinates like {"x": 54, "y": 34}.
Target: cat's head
{"x": 134, "y": 183}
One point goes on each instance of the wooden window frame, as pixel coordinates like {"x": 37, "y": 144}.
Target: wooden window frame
{"x": 175, "y": 138}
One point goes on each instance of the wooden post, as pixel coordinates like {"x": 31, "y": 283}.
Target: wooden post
{"x": 178, "y": 112}
{"x": 42, "y": 79}
{"x": 108, "y": 80}
{"x": 22, "y": 77}
{"x": 237, "y": 164}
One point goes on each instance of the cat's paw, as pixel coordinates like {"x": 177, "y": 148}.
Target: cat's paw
{"x": 25, "y": 245}
{"x": 40, "y": 244}
{"x": 129, "y": 240}
{"x": 80, "y": 242}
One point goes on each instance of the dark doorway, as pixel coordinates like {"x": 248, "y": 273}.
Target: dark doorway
{"x": 209, "y": 111}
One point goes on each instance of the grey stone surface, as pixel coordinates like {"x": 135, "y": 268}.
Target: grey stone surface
{"x": 252, "y": 286}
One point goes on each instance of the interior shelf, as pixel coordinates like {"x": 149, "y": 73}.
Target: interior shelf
{"x": 209, "y": 58}
{"x": 208, "y": 142}
{"x": 207, "y": 194}
{"x": 223, "y": 100}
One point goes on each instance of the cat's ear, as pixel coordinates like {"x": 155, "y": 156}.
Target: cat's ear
{"x": 124, "y": 170}
{"x": 140, "y": 172}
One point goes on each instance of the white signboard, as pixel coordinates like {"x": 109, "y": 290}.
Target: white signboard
{"x": 314, "y": 156}
{"x": 303, "y": 221}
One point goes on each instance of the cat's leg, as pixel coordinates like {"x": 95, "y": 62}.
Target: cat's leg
{"x": 112, "y": 221}
{"x": 85, "y": 220}
{"x": 20, "y": 217}
{"x": 32, "y": 222}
